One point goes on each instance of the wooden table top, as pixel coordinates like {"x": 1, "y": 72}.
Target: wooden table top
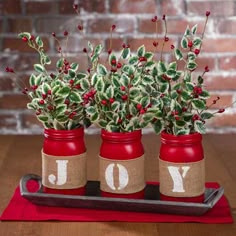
{"x": 20, "y": 155}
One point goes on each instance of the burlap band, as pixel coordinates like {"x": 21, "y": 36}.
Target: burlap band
{"x": 122, "y": 176}
{"x": 64, "y": 172}
{"x": 182, "y": 179}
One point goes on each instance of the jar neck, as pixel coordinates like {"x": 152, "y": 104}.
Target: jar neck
{"x": 123, "y": 137}
{"x": 64, "y": 134}
{"x": 180, "y": 139}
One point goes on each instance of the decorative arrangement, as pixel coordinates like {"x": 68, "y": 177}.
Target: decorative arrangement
{"x": 122, "y": 95}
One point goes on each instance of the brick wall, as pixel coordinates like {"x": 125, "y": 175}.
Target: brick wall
{"x": 132, "y": 18}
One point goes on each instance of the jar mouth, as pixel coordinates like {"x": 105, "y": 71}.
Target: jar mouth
{"x": 61, "y": 134}
{"x": 121, "y": 136}
{"x": 184, "y": 139}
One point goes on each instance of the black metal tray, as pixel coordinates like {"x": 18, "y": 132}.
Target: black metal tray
{"x": 93, "y": 200}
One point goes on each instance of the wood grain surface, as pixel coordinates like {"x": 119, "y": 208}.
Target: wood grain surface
{"x": 20, "y": 155}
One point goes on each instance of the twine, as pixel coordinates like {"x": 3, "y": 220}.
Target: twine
{"x": 191, "y": 173}
{"x": 75, "y": 169}
{"x": 122, "y": 176}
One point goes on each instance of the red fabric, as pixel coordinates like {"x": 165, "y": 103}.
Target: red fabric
{"x": 23, "y": 210}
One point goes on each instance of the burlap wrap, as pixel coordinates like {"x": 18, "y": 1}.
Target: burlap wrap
{"x": 134, "y": 177}
{"x": 76, "y": 171}
{"x": 193, "y": 182}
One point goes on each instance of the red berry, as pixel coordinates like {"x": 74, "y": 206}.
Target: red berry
{"x": 179, "y": 91}
{"x": 163, "y": 17}
{"x": 44, "y": 95}
{"x": 208, "y": 13}
{"x": 119, "y": 121}
{"x": 75, "y": 6}
{"x": 139, "y": 106}
{"x": 109, "y": 51}
{"x": 9, "y": 70}
{"x": 113, "y": 27}
{"x": 72, "y": 114}
{"x": 77, "y": 86}
{"x": 80, "y": 27}
{"x": 104, "y": 102}
{"x": 49, "y": 92}
{"x": 32, "y": 37}
{"x": 111, "y": 100}
{"x": 85, "y": 50}
{"x": 184, "y": 109}
{"x": 67, "y": 102}
{"x": 172, "y": 46}
{"x": 207, "y": 69}
{"x": 38, "y": 112}
{"x": 196, "y": 51}
{"x": 34, "y": 87}
{"x": 41, "y": 102}
{"x": 119, "y": 65}
{"x": 50, "y": 107}
{"x": 113, "y": 61}
{"x": 166, "y": 39}
{"x": 25, "y": 39}
{"x": 190, "y": 43}
{"x": 71, "y": 82}
{"x": 66, "y": 33}
{"x": 195, "y": 117}
{"x": 142, "y": 111}
{"x": 177, "y": 118}
{"x": 124, "y": 97}
{"x": 113, "y": 70}
{"x": 123, "y": 45}
{"x": 221, "y": 110}
{"x": 142, "y": 59}
{"x": 53, "y": 34}
{"x": 155, "y": 44}
{"x": 122, "y": 88}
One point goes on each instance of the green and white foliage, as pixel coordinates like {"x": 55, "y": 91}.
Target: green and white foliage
{"x": 180, "y": 93}
{"x": 59, "y": 99}
{"x": 123, "y": 98}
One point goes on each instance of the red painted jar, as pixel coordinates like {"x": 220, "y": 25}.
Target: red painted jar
{"x": 68, "y": 147}
{"x": 122, "y": 165}
{"x": 182, "y": 168}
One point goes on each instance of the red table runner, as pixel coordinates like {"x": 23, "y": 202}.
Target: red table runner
{"x": 20, "y": 209}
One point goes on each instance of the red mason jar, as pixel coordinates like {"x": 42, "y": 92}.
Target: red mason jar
{"x": 69, "y": 147}
{"x": 122, "y": 164}
{"x": 182, "y": 168}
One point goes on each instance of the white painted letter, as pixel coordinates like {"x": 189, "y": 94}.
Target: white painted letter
{"x": 123, "y": 176}
{"x": 178, "y": 178}
{"x": 61, "y": 173}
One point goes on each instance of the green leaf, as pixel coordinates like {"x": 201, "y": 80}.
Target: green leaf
{"x": 47, "y": 60}
{"x": 149, "y": 65}
{"x": 101, "y": 70}
{"x": 200, "y": 79}
{"x": 147, "y": 80}
{"x": 148, "y": 117}
{"x": 32, "y": 80}
{"x": 134, "y": 92}
{"x": 61, "y": 109}
{"x": 198, "y": 104}
{"x": 199, "y": 127}
{"x": 145, "y": 101}
{"x": 39, "y": 68}
{"x": 177, "y": 75}
{"x": 90, "y": 110}
{"x": 180, "y": 123}
{"x": 110, "y": 91}
{"x": 148, "y": 55}
{"x": 191, "y": 56}
{"x": 100, "y": 85}
{"x": 206, "y": 115}
{"x": 94, "y": 79}
{"x": 115, "y": 106}
{"x": 74, "y": 66}
{"x": 164, "y": 87}
{"x": 133, "y": 60}
{"x": 45, "y": 88}
{"x": 94, "y": 117}
{"x": 125, "y": 53}
{"x": 84, "y": 84}
{"x": 157, "y": 126}
{"x": 115, "y": 82}
{"x": 102, "y": 123}
{"x": 187, "y": 31}
{"x": 189, "y": 86}
{"x": 39, "y": 41}
{"x": 81, "y": 75}
{"x": 173, "y": 66}
{"x": 90, "y": 46}
{"x": 205, "y": 94}
{"x": 24, "y": 34}
{"x": 141, "y": 51}
{"x": 31, "y": 106}
{"x": 184, "y": 42}
{"x": 136, "y": 80}
{"x": 59, "y": 63}
{"x": 185, "y": 96}
{"x": 183, "y": 131}
{"x": 71, "y": 73}
{"x": 75, "y": 97}
{"x": 112, "y": 57}
{"x": 124, "y": 80}
{"x": 42, "y": 118}
{"x": 64, "y": 92}
{"x": 194, "y": 29}
{"x": 161, "y": 67}
{"x": 197, "y": 42}
{"x": 171, "y": 73}
{"x": 188, "y": 116}
{"x": 178, "y": 54}
{"x": 98, "y": 49}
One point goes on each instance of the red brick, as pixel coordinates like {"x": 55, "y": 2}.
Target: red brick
{"x": 13, "y": 101}
{"x": 170, "y": 7}
{"x": 136, "y": 42}
{"x": 116, "y": 44}
{"x": 219, "y": 45}
{"x": 16, "y": 25}
{"x": 147, "y": 26}
{"x": 227, "y": 63}
{"x": 29, "y": 121}
{"x": 6, "y": 84}
{"x": 66, "y": 6}
{"x": 222, "y": 120}
{"x": 225, "y": 100}
{"x": 11, "y": 7}
{"x": 227, "y": 26}
{"x": 19, "y": 45}
{"x": 220, "y": 82}
{"x": 133, "y": 6}
{"x": 8, "y": 121}
{"x": 41, "y": 7}
{"x": 123, "y": 25}
{"x": 217, "y": 8}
